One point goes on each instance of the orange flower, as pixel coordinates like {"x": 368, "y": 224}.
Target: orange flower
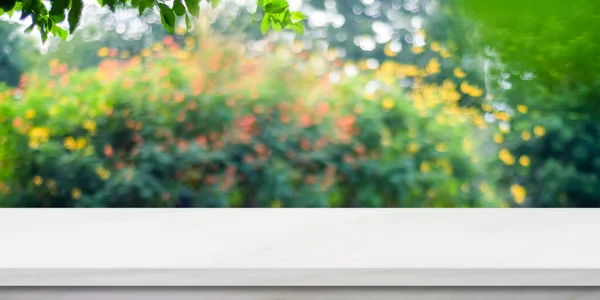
{"x": 168, "y": 40}
{"x": 305, "y": 144}
{"x": 108, "y": 151}
{"x": 17, "y": 122}
{"x": 182, "y": 145}
{"x": 201, "y": 140}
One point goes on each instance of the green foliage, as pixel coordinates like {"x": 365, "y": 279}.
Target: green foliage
{"x": 214, "y": 129}
{"x": 48, "y": 21}
{"x": 543, "y": 66}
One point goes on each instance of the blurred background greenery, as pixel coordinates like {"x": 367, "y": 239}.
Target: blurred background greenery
{"x": 381, "y": 103}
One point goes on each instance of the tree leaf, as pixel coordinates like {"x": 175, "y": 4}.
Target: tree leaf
{"x": 215, "y": 3}
{"x": 30, "y": 28}
{"x": 265, "y": 24}
{"x": 56, "y": 30}
{"x": 75, "y": 14}
{"x": 188, "y": 23}
{"x": 298, "y": 28}
{"x": 276, "y": 25}
{"x": 167, "y": 17}
{"x": 276, "y": 7}
{"x": 298, "y": 16}
{"x": 179, "y": 8}
{"x": 193, "y": 7}
{"x": 145, "y": 4}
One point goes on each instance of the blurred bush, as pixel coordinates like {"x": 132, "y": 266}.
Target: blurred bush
{"x": 550, "y": 153}
{"x": 214, "y": 128}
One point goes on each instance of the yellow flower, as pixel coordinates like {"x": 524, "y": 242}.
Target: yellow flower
{"x": 425, "y": 167}
{"x": 435, "y": 46}
{"x": 441, "y": 147}
{"x": 53, "y": 63}
{"x": 448, "y": 85}
{"x": 459, "y": 73}
{"x": 431, "y": 193}
{"x": 464, "y": 187}
{"x": 124, "y": 54}
{"x": 81, "y": 143}
{"x": 41, "y": 134}
{"x": 53, "y": 111}
{"x": 506, "y": 157}
{"x": 467, "y": 145}
{"x": 103, "y": 52}
{"x": 37, "y": 180}
{"x": 180, "y": 30}
{"x": 102, "y": 173}
{"x": 189, "y": 41}
{"x": 76, "y": 193}
{"x": 389, "y": 52}
{"x": 518, "y": 193}
{"x": 157, "y": 47}
{"x": 524, "y": 161}
{"x": 525, "y": 135}
{"x": 90, "y": 126}
{"x": 487, "y": 107}
{"x": 433, "y": 66}
{"x": 485, "y": 187}
{"x": 539, "y": 131}
{"x": 446, "y": 166}
{"x": 498, "y": 138}
{"x": 70, "y": 143}
{"x": 145, "y": 52}
{"x": 63, "y": 101}
{"x": 470, "y": 90}
{"x": 445, "y": 53}
{"x": 413, "y": 147}
{"x": 388, "y": 103}
{"x": 34, "y": 144}
{"x": 417, "y": 50}
{"x": 51, "y": 183}
{"x": 89, "y": 151}
{"x": 30, "y": 114}
{"x": 522, "y": 109}
{"x": 410, "y": 70}
{"x": 501, "y": 115}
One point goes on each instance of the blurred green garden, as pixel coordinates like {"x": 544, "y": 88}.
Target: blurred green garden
{"x": 380, "y": 103}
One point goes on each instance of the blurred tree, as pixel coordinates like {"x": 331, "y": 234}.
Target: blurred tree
{"x": 13, "y": 59}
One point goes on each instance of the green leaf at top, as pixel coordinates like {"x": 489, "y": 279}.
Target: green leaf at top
{"x": 265, "y": 24}
{"x": 178, "y": 8}
{"x": 56, "y": 30}
{"x": 298, "y": 16}
{"x": 215, "y": 3}
{"x": 276, "y": 7}
{"x": 277, "y": 26}
{"x": 167, "y": 17}
{"x": 30, "y": 28}
{"x": 145, "y": 4}
{"x": 193, "y": 7}
{"x": 298, "y": 28}
{"x": 75, "y": 14}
